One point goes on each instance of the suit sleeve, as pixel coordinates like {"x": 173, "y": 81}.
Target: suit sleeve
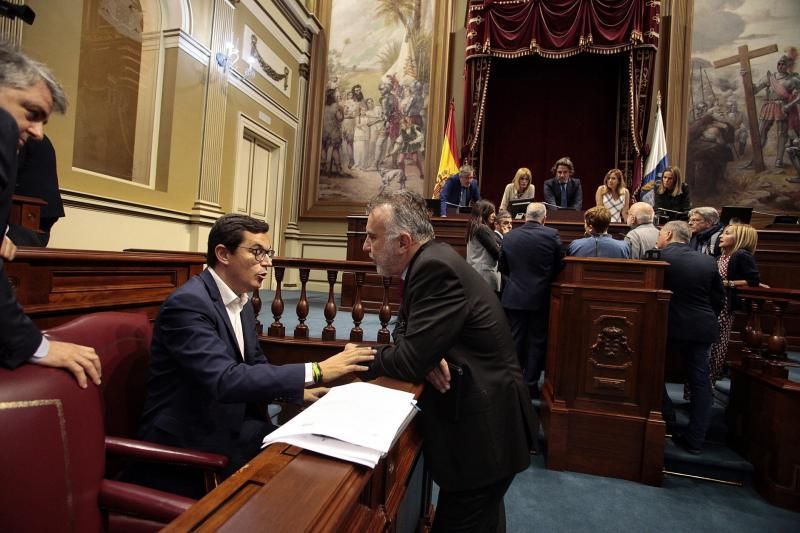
{"x": 188, "y": 330}
{"x": 19, "y": 336}
{"x": 485, "y": 236}
{"x": 437, "y": 313}
{"x": 443, "y": 196}
{"x": 549, "y": 197}
{"x": 717, "y": 293}
{"x": 578, "y": 202}
{"x": 476, "y": 195}
{"x": 743, "y": 266}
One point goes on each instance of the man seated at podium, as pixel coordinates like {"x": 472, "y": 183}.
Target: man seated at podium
{"x": 563, "y": 190}
{"x": 478, "y": 424}
{"x": 597, "y": 242}
{"x": 697, "y": 299}
{"x": 28, "y": 95}
{"x": 459, "y": 190}
{"x": 209, "y": 380}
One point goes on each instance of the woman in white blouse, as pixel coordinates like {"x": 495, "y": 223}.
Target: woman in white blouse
{"x": 614, "y": 196}
{"x": 520, "y": 188}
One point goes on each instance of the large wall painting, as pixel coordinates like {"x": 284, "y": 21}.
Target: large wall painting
{"x": 375, "y": 114}
{"x": 722, "y": 165}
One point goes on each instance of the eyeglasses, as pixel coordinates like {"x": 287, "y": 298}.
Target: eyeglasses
{"x": 259, "y": 253}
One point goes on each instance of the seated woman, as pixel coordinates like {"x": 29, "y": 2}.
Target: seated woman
{"x": 482, "y": 248}
{"x": 614, "y": 196}
{"x": 738, "y": 269}
{"x": 597, "y": 242}
{"x": 672, "y": 193}
{"x": 520, "y": 188}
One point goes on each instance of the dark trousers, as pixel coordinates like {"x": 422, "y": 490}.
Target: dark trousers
{"x": 478, "y": 510}
{"x": 695, "y": 357}
{"x": 529, "y": 330}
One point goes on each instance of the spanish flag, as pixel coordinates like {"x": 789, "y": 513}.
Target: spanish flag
{"x": 448, "y": 163}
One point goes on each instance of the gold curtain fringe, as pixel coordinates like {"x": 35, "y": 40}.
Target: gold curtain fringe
{"x": 550, "y": 54}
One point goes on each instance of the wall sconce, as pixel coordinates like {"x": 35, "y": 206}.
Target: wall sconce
{"x": 250, "y": 72}
{"x": 228, "y": 58}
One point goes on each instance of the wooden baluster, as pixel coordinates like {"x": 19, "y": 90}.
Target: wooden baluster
{"x": 754, "y": 338}
{"x": 776, "y": 343}
{"x": 357, "y": 334}
{"x": 329, "y": 331}
{"x": 301, "y": 330}
{"x": 255, "y": 301}
{"x": 385, "y": 314}
{"x": 276, "y": 329}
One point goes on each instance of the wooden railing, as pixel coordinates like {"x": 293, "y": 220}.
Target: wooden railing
{"x": 766, "y": 350}
{"x": 358, "y": 268}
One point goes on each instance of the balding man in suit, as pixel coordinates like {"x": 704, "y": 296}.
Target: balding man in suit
{"x": 697, "y": 299}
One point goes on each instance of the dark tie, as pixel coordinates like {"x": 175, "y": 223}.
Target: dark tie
{"x": 463, "y": 199}
{"x": 563, "y": 195}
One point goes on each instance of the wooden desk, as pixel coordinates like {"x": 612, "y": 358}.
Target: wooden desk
{"x": 25, "y": 212}
{"x": 289, "y": 489}
{"x": 54, "y": 286}
{"x": 605, "y": 366}
{"x": 762, "y": 422}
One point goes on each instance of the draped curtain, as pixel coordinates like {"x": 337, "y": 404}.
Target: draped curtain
{"x": 556, "y": 29}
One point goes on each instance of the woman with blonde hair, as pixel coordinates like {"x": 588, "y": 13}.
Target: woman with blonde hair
{"x": 520, "y": 188}
{"x": 738, "y": 268}
{"x": 613, "y": 195}
{"x": 672, "y": 193}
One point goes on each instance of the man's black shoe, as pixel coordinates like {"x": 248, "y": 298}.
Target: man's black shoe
{"x": 681, "y": 441}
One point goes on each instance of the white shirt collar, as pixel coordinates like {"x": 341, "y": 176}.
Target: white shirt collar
{"x": 226, "y": 293}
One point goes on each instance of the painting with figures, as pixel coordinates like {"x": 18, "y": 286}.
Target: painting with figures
{"x": 735, "y": 42}
{"x": 375, "y": 99}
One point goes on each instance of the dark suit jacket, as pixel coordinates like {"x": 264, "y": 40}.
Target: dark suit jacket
{"x": 19, "y": 337}
{"x": 697, "y": 294}
{"x": 199, "y": 386}
{"x": 742, "y": 265}
{"x": 481, "y": 430}
{"x": 552, "y": 193}
{"x": 451, "y": 193}
{"x": 530, "y": 258}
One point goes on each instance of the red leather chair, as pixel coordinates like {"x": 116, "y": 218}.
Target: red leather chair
{"x": 122, "y": 341}
{"x": 51, "y": 468}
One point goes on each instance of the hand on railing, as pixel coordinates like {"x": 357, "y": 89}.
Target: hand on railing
{"x": 346, "y": 362}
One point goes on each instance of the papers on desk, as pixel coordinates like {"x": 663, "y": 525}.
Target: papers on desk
{"x": 357, "y": 422}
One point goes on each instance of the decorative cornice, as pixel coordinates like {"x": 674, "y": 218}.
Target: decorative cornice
{"x": 183, "y": 41}
{"x": 262, "y": 98}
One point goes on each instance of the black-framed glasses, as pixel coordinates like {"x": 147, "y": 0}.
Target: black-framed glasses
{"x": 259, "y": 253}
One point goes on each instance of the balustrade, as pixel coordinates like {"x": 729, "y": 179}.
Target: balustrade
{"x": 332, "y": 268}
{"x": 764, "y": 351}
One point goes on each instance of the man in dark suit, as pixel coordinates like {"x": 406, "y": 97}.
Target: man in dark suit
{"x": 28, "y": 95}
{"x": 207, "y": 370}
{"x": 530, "y": 258}
{"x": 697, "y": 299}
{"x": 563, "y": 190}
{"x": 459, "y": 189}
{"x": 478, "y": 423}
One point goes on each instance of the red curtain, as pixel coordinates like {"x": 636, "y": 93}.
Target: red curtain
{"x": 557, "y": 29}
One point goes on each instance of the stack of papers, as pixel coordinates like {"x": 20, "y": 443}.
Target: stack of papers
{"x": 357, "y": 422}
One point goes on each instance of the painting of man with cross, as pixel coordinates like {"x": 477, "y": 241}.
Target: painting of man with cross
{"x": 743, "y": 143}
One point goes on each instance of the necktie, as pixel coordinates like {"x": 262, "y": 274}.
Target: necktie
{"x": 563, "y": 195}
{"x": 463, "y": 200}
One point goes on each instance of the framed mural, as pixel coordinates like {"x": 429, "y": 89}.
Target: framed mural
{"x": 377, "y": 102}
{"x": 743, "y": 140}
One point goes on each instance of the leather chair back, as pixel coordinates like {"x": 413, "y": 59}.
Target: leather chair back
{"x": 122, "y": 341}
{"x": 53, "y": 452}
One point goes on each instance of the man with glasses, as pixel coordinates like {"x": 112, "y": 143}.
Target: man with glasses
{"x": 209, "y": 380}
{"x": 706, "y": 230}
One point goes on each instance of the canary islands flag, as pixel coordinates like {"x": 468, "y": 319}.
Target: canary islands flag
{"x": 657, "y": 161}
{"x": 448, "y": 163}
